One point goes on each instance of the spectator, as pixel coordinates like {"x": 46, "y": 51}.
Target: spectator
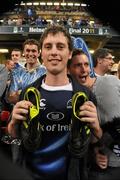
{"x": 5, "y": 107}
{"x": 114, "y": 69}
{"x": 24, "y": 77}
{"x": 51, "y": 159}
{"x": 39, "y": 21}
{"x": 119, "y": 70}
{"x": 102, "y": 61}
{"x": 29, "y": 74}
{"x": 9, "y": 64}
{"x": 16, "y": 56}
{"x": 105, "y": 161}
{"x": 3, "y": 78}
{"x": 19, "y": 21}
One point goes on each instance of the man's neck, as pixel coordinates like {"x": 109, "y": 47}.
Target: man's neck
{"x": 56, "y": 80}
{"x": 30, "y": 67}
{"x": 98, "y": 71}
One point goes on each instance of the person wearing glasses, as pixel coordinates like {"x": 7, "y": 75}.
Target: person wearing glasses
{"x": 102, "y": 61}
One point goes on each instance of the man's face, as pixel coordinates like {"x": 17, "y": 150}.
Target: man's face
{"x": 11, "y": 65}
{"x": 55, "y": 53}
{"x": 31, "y": 53}
{"x": 107, "y": 63}
{"x": 15, "y": 56}
{"x": 80, "y": 68}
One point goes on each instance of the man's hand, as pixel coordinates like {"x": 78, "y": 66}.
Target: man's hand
{"x": 88, "y": 114}
{"x": 19, "y": 113}
{"x": 101, "y": 159}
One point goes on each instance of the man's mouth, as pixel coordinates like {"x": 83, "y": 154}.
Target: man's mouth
{"x": 82, "y": 78}
{"x": 54, "y": 60}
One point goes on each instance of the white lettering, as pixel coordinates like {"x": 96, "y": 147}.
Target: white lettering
{"x": 36, "y": 29}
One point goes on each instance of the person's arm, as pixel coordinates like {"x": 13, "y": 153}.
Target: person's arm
{"x": 15, "y": 86}
{"x": 13, "y": 97}
{"x": 19, "y": 114}
{"x": 101, "y": 158}
{"x": 3, "y": 79}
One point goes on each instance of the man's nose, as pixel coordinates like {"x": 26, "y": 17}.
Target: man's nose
{"x": 54, "y": 50}
{"x": 112, "y": 61}
{"x": 83, "y": 68}
{"x": 30, "y": 53}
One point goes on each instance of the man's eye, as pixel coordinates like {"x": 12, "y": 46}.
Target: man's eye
{"x": 27, "y": 50}
{"x": 47, "y": 47}
{"x": 33, "y": 50}
{"x": 77, "y": 65}
{"x": 60, "y": 47}
{"x": 86, "y": 65}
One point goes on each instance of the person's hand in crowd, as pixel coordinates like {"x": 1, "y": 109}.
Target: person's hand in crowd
{"x": 101, "y": 159}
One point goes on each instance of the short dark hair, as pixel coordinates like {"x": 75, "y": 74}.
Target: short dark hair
{"x": 32, "y": 42}
{"x": 78, "y": 52}
{"x": 8, "y": 61}
{"x": 100, "y": 53}
{"x": 54, "y": 29}
{"x": 16, "y": 49}
{"x": 75, "y": 53}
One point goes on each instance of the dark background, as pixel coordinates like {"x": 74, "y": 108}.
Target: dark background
{"x": 6, "y": 5}
{"x": 105, "y": 10}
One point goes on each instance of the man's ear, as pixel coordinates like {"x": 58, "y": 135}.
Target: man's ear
{"x": 70, "y": 56}
{"x": 40, "y": 53}
{"x": 100, "y": 60}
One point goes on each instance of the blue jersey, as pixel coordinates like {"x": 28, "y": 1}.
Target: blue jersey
{"x": 52, "y": 158}
{"x": 23, "y": 77}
